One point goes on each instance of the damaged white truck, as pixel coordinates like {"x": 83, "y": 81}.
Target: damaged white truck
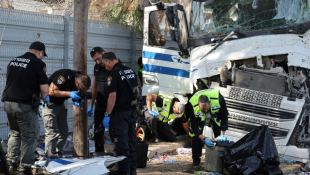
{"x": 256, "y": 52}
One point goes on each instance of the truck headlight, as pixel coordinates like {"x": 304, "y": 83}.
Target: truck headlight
{"x": 150, "y": 80}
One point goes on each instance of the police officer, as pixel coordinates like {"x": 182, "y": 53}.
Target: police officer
{"x": 100, "y": 93}
{"x": 26, "y": 79}
{"x": 162, "y": 111}
{"x": 121, "y": 80}
{"x": 206, "y": 107}
{"x": 63, "y": 84}
{"x": 140, "y": 70}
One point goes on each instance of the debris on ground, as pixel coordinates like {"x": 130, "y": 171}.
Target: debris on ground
{"x": 184, "y": 151}
{"x": 287, "y": 160}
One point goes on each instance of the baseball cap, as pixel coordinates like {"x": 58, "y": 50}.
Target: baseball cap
{"x": 37, "y": 45}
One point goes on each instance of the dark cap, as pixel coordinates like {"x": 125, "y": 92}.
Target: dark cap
{"x": 37, "y": 45}
{"x": 109, "y": 56}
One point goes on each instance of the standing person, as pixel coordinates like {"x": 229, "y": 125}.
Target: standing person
{"x": 206, "y": 107}
{"x": 164, "y": 109}
{"x": 26, "y": 79}
{"x": 121, "y": 80}
{"x": 63, "y": 84}
{"x": 140, "y": 70}
{"x": 100, "y": 93}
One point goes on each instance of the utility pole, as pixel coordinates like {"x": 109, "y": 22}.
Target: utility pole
{"x": 80, "y": 142}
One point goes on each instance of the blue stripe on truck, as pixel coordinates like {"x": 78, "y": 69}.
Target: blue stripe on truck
{"x": 162, "y": 57}
{"x": 166, "y": 70}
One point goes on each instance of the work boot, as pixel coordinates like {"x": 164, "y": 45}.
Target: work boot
{"x": 197, "y": 167}
{"x": 116, "y": 172}
{"x": 26, "y": 171}
{"x": 133, "y": 173}
{"x": 96, "y": 154}
{"x": 13, "y": 167}
{"x": 155, "y": 140}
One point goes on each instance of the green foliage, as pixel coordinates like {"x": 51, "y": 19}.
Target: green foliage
{"x": 124, "y": 12}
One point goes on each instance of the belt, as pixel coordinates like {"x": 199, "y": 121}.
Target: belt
{"x": 51, "y": 103}
{"x": 16, "y": 101}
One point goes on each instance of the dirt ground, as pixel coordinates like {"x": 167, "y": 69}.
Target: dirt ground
{"x": 156, "y": 165}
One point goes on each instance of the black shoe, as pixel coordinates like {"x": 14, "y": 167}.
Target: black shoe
{"x": 197, "y": 168}
{"x": 155, "y": 140}
{"x": 133, "y": 173}
{"x": 95, "y": 154}
{"x": 116, "y": 172}
{"x": 13, "y": 167}
{"x": 27, "y": 171}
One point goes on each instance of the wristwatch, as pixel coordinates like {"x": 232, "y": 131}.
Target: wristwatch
{"x": 106, "y": 114}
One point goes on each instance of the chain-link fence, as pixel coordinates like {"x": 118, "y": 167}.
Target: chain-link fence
{"x": 51, "y": 22}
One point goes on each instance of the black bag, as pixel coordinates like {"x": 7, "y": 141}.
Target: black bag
{"x": 141, "y": 152}
{"x": 254, "y": 154}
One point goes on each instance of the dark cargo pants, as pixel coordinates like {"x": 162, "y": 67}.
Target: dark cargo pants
{"x": 56, "y": 127}
{"x": 159, "y": 129}
{"x": 197, "y": 144}
{"x": 99, "y": 128}
{"x": 24, "y": 125}
{"x": 123, "y": 132}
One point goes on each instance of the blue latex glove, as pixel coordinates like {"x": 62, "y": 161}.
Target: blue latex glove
{"x": 221, "y": 138}
{"x": 74, "y": 95}
{"x": 153, "y": 113}
{"x": 76, "y": 103}
{"x": 208, "y": 142}
{"x": 47, "y": 99}
{"x": 106, "y": 121}
{"x": 90, "y": 110}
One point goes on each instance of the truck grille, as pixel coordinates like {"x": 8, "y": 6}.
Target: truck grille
{"x": 257, "y": 97}
{"x": 262, "y": 111}
{"x": 248, "y": 128}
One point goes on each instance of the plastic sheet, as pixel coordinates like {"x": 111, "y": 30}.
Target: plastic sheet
{"x": 254, "y": 154}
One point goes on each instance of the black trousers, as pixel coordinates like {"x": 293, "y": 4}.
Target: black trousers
{"x": 160, "y": 129}
{"x": 123, "y": 132}
{"x": 197, "y": 144}
{"x": 99, "y": 128}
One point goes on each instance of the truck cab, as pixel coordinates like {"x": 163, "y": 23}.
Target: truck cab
{"x": 256, "y": 52}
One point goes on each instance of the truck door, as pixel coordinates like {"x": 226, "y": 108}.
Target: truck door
{"x": 166, "y": 68}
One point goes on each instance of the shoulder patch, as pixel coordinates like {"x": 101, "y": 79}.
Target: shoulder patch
{"x": 44, "y": 69}
{"x": 61, "y": 80}
{"x": 109, "y": 80}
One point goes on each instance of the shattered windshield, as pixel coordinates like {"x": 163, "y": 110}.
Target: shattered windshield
{"x": 216, "y": 17}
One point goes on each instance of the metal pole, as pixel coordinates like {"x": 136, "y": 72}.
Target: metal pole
{"x": 80, "y": 142}
{"x": 133, "y": 51}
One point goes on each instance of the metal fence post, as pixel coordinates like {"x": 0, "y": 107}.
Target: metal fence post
{"x": 133, "y": 50}
{"x": 66, "y": 39}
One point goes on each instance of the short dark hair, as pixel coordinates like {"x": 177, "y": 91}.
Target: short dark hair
{"x": 95, "y": 50}
{"x": 109, "y": 56}
{"x": 140, "y": 61}
{"x": 203, "y": 99}
{"x": 83, "y": 79}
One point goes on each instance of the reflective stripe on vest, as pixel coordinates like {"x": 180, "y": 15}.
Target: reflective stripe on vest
{"x": 140, "y": 70}
{"x": 213, "y": 96}
{"x": 164, "y": 111}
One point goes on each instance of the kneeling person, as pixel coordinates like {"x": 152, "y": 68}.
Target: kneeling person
{"x": 162, "y": 111}
{"x": 63, "y": 84}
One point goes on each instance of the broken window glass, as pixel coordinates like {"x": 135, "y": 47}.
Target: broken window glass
{"x": 215, "y": 17}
